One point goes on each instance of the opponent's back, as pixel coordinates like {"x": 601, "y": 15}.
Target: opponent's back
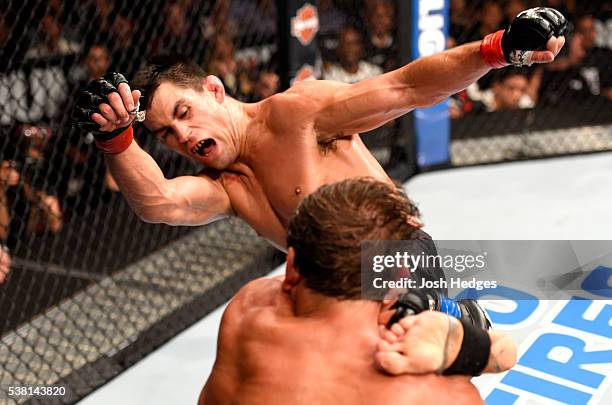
{"x": 267, "y": 355}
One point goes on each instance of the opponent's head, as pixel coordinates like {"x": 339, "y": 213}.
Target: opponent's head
{"x": 185, "y": 110}
{"x": 326, "y": 231}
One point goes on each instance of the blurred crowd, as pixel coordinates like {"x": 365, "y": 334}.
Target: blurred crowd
{"x": 582, "y": 73}
{"x": 49, "y": 172}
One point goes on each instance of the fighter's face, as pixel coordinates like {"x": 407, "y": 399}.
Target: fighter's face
{"x": 192, "y": 123}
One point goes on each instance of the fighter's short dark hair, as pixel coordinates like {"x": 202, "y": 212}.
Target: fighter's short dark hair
{"x": 172, "y": 68}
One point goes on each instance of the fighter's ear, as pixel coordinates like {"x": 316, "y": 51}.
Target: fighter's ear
{"x": 386, "y": 311}
{"x": 292, "y": 275}
{"x": 215, "y": 86}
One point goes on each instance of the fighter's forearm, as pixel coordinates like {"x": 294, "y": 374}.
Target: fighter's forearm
{"x": 140, "y": 180}
{"x": 437, "y": 77}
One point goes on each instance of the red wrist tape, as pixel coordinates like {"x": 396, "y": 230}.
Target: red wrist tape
{"x": 118, "y": 144}
{"x": 491, "y": 50}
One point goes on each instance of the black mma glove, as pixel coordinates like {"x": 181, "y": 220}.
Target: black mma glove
{"x": 95, "y": 93}
{"x": 476, "y": 344}
{"x": 529, "y": 31}
{"x": 417, "y": 301}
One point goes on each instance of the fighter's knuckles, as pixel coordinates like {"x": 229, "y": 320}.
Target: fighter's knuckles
{"x": 115, "y": 78}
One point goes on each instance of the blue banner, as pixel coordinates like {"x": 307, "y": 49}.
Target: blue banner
{"x": 430, "y": 26}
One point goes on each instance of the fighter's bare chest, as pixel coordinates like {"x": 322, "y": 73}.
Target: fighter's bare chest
{"x": 267, "y": 193}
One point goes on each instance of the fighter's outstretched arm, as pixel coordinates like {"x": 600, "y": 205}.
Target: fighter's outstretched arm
{"x": 347, "y": 109}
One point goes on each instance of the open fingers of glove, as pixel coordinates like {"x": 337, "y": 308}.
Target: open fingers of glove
{"x": 103, "y": 122}
{"x": 555, "y": 44}
{"x": 542, "y": 57}
{"x": 136, "y": 96}
{"x": 116, "y": 103}
{"x": 108, "y": 113}
{"x": 126, "y": 96}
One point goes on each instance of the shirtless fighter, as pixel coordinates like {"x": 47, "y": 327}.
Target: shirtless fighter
{"x": 262, "y": 159}
{"x": 309, "y": 338}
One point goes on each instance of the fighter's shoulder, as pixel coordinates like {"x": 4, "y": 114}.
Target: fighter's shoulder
{"x": 307, "y": 95}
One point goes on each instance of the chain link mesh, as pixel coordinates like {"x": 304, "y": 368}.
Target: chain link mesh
{"x": 88, "y": 279}
{"x": 520, "y": 113}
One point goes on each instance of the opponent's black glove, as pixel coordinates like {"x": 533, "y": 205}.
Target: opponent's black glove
{"x": 417, "y": 301}
{"x": 529, "y": 31}
{"x": 95, "y": 93}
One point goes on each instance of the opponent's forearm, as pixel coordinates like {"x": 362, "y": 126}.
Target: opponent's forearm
{"x": 141, "y": 181}
{"x": 503, "y": 353}
{"x": 432, "y": 79}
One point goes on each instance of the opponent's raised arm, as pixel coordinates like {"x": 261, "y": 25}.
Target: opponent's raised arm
{"x": 107, "y": 109}
{"x": 535, "y": 36}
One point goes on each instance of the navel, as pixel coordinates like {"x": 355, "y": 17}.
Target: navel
{"x": 298, "y": 191}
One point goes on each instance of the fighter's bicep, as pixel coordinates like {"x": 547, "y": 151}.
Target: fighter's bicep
{"x": 347, "y": 109}
{"x": 197, "y": 200}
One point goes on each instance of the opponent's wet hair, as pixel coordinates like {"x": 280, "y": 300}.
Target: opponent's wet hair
{"x": 329, "y": 225}
{"x": 175, "y": 69}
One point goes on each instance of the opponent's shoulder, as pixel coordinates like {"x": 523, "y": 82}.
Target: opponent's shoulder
{"x": 249, "y": 302}
{"x": 261, "y": 292}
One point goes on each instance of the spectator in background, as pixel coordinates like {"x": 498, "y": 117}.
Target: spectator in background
{"x": 84, "y": 166}
{"x": 179, "y": 36}
{"x": 267, "y": 84}
{"x": 9, "y": 177}
{"x": 5, "y": 263}
{"x": 511, "y": 89}
{"x": 100, "y": 13}
{"x": 219, "y": 21}
{"x": 586, "y": 70}
{"x": 50, "y": 40}
{"x": 41, "y": 205}
{"x": 491, "y": 17}
{"x": 460, "y": 23}
{"x": 380, "y": 47}
{"x": 96, "y": 64}
{"x": 124, "y": 47}
{"x": 351, "y": 67}
{"x": 331, "y": 20}
{"x": 511, "y": 9}
{"x": 257, "y": 21}
{"x": 224, "y": 65}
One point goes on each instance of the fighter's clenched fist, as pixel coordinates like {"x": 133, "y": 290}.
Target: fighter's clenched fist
{"x": 535, "y": 36}
{"x": 106, "y": 108}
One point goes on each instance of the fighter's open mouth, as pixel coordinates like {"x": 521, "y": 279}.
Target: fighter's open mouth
{"x": 203, "y": 147}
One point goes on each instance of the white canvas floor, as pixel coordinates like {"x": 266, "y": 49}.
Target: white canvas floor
{"x": 566, "y": 198}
